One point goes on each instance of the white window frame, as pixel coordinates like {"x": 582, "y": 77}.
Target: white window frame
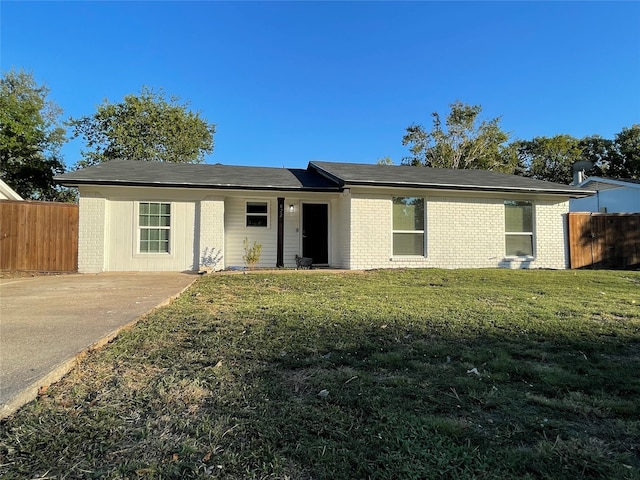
{"x": 423, "y": 231}
{"x": 522, "y": 233}
{"x": 140, "y": 228}
{"x": 266, "y": 215}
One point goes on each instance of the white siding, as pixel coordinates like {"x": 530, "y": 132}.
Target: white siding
{"x": 108, "y": 238}
{"x": 341, "y": 231}
{"x": 292, "y": 236}
{"x": 614, "y": 200}
{"x": 122, "y": 241}
{"x": 236, "y": 231}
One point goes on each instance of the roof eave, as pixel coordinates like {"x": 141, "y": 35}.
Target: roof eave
{"x": 325, "y": 173}
{"x": 455, "y": 187}
{"x": 609, "y": 181}
{"x": 78, "y": 183}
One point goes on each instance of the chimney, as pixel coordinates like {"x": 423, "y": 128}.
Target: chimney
{"x": 579, "y": 169}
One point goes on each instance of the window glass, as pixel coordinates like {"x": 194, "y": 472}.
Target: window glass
{"x": 257, "y": 214}
{"x": 154, "y": 224}
{"x": 518, "y": 216}
{"x": 408, "y": 243}
{"x": 519, "y": 245}
{"x": 408, "y": 226}
{"x": 518, "y": 226}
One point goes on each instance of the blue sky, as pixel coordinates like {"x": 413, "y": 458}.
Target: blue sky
{"x": 290, "y": 82}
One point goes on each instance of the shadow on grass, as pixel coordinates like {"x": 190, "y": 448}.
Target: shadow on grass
{"x": 404, "y": 375}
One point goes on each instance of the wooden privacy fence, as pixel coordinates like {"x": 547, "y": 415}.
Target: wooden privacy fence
{"x": 604, "y": 240}
{"x": 38, "y": 236}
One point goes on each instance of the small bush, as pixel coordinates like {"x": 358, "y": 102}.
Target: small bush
{"x": 251, "y": 252}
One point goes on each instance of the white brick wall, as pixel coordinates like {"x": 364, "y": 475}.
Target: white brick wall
{"x": 551, "y": 242}
{"x": 460, "y": 233}
{"x": 91, "y": 233}
{"x": 370, "y": 245}
{"x": 211, "y": 230}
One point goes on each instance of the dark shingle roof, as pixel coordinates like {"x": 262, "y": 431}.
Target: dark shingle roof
{"x": 318, "y": 177}
{"x": 137, "y": 173}
{"x": 438, "y": 178}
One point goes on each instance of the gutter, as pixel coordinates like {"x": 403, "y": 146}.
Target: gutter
{"x": 455, "y": 187}
{"x": 77, "y": 183}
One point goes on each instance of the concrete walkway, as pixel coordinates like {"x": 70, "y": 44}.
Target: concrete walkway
{"x": 48, "y": 322}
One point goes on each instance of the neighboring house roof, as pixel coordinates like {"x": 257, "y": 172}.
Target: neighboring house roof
{"x": 319, "y": 176}
{"x": 601, "y": 183}
{"x": 7, "y": 193}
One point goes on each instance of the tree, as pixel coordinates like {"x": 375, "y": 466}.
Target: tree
{"x": 464, "y": 142}
{"x": 624, "y": 161}
{"x": 30, "y": 138}
{"x": 550, "y": 158}
{"x": 144, "y": 127}
{"x": 385, "y": 161}
{"x": 598, "y": 151}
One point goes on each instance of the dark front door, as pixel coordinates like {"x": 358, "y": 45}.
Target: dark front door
{"x": 315, "y": 232}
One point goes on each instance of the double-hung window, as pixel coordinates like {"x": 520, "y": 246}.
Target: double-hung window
{"x": 257, "y": 214}
{"x": 518, "y": 228}
{"x": 154, "y": 227}
{"x": 408, "y": 226}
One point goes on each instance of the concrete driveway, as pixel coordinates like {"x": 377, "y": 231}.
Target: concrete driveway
{"x": 48, "y": 322}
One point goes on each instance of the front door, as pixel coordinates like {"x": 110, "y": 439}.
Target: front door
{"x": 315, "y": 232}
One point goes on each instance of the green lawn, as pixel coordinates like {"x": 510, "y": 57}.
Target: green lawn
{"x": 465, "y": 374}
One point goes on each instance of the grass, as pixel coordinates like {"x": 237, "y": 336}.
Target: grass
{"x": 468, "y": 374}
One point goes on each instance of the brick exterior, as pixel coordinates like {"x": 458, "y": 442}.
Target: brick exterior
{"x": 211, "y": 231}
{"x": 91, "y": 234}
{"x": 460, "y": 233}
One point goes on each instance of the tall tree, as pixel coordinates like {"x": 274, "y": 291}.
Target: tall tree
{"x": 598, "y": 151}
{"x": 624, "y": 161}
{"x": 30, "y": 138}
{"x": 147, "y": 126}
{"x": 550, "y": 158}
{"x": 464, "y": 141}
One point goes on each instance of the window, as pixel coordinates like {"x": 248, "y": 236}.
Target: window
{"x": 408, "y": 226}
{"x": 257, "y": 214}
{"x": 154, "y": 226}
{"x": 518, "y": 228}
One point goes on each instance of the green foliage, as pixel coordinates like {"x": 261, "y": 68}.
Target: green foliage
{"x": 144, "y": 127}
{"x": 251, "y": 252}
{"x": 550, "y": 158}
{"x": 624, "y": 159}
{"x": 30, "y": 138}
{"x": 464, "y": 141}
